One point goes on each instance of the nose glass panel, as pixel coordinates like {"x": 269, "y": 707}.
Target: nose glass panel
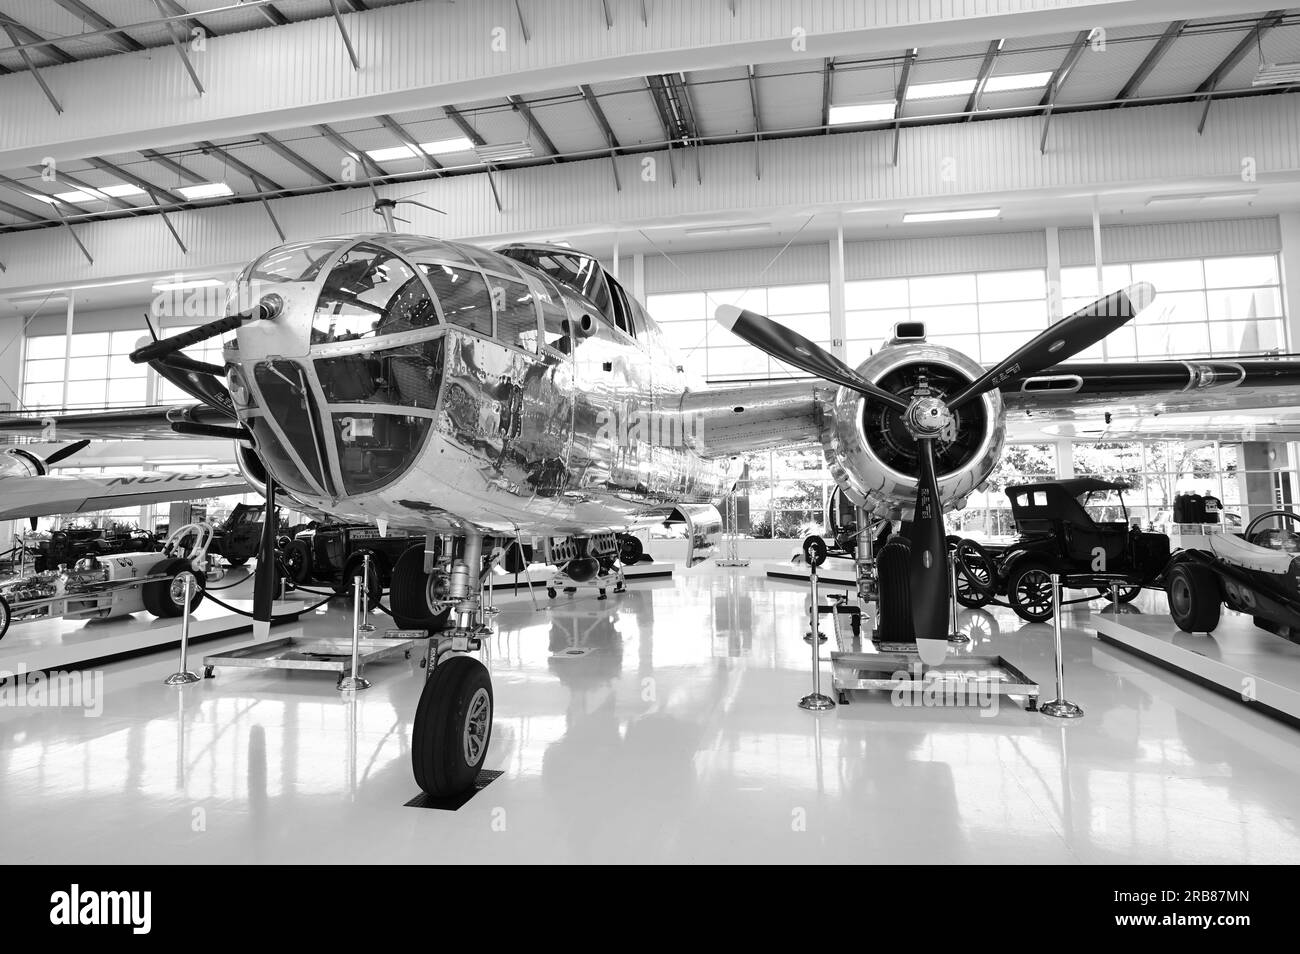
{"x": 369, "y": 292}
{"x": 287, "y": 398}
{"x": 409, "y": 376}
{"x": 375, "y": 449}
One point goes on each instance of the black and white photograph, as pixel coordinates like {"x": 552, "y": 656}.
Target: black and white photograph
{"x": 673, "y": 432}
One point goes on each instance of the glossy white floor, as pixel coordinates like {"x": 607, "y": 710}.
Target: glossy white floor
{"x": 675, "y": 737}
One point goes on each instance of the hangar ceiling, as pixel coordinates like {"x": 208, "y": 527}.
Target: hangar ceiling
{"x": 1194, "y": 60}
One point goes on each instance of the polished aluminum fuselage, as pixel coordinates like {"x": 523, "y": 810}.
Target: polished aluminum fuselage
{"x": 533, "y": 441}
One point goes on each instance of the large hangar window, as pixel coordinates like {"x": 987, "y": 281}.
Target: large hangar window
{"x": 91, "y": 370}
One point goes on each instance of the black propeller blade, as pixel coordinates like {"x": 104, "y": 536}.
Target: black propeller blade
{"x": 793, "y": 348}
{"x": 63, "y": 453}
{"x": 1063, "y": 340}
{"x": 929, "y": 556}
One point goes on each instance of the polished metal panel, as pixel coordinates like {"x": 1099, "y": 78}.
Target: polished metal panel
{"x": 743, "y": 420}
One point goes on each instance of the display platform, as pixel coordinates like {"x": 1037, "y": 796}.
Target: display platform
{"x": 70, "y": 644}
{"x": 1255, "y": 667}
{"x": 836, "y": 571}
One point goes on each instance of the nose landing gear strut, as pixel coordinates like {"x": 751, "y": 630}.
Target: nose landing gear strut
{"x": 453, "y": 721}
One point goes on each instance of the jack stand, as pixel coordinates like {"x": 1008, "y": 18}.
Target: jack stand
{"x": 1060, "y": 707}
{"x": 815, "y": 701}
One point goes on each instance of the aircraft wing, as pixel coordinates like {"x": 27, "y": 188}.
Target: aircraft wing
{"x": 1197, "y": 399}
{"x": 82, "y": 493}
{"x": 132, "y": 423}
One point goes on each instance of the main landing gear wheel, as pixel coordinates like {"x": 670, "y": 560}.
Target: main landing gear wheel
{"x": 1194, "y": 599}
{"x": 297, "y": 560}
{"x": 413, "y": 594}
{"x": 453, "y": 727}
{"x": 1029, "y": 590}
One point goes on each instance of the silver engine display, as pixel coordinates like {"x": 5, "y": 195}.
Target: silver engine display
{"x": 868, "y": 448}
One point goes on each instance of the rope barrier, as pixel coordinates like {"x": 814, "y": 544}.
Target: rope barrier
{"x": 274, "y": 619}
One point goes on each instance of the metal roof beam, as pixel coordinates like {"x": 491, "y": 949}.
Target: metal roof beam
{"x": 1235, "y": 56}
{"x": 174, "y": 10}
{"x": 273, "y": 15}
{"x": 345, "y": 146}
{"x": 523, "y": 109}
{"x": 287, "y": 154}
{"x": 20, "y": 212}
{"x": 1152, "y": 59}
{"x": 1058, "y": 80}
{"x": 900, "y": 97}
{"x": 828, "y": 67}
{"x": 179, "y": 47}
{"x": 347, "y": 37}
{"x": 251, "y": 174}
{"x": 171, "y": 165}
{"x": 127, "y": 176}
{"x": 398, "y": 130}
{"x": 90, "y": 17}
{"x": 982, "y": 78}
{"x": 468, "y": 131}
{"x": 606, "y": 130}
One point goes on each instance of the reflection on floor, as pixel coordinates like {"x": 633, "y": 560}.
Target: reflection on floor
{"x": 659, "y": 725}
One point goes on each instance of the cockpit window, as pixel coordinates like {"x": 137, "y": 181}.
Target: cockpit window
{"x": 296, "y": 262}
{"x": 515, "y": 311}
{"x": 463, "y": 296}
{"x": 288, "y": 399}
{"x": 582, "y": 273}
{"x": 370, "y": 291}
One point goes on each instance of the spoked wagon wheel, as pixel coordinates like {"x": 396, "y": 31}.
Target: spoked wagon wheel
{"x": 1030, "y": 592}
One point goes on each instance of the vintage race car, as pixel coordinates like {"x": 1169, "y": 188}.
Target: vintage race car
{"x": 101, "y": 587}
{"x": 1257, "y": 572}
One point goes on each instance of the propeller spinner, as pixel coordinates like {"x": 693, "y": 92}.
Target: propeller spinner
{"x": 927, "y": 413}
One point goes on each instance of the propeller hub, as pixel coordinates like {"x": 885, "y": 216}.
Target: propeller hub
{"x": 928, "y": 417}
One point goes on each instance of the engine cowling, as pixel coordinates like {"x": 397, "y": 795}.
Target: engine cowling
{"x": 869, "y": 451}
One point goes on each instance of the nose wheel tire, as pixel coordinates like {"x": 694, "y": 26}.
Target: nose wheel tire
{"x": 453, "y": 727}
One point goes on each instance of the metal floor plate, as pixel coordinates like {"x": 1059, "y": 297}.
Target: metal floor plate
{"x": 423, "y": 800}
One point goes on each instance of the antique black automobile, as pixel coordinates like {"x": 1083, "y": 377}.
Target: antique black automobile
{"x": 335, "y": 553}
{"x": 65, "y": 547}
{"x": 1058, "y": 535}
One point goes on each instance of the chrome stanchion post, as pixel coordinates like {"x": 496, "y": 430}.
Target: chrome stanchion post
{"x": 1059, "y": 707}
{"x": 354, "y": 681}
{"x": 183, "y": 676}
{"x": 366, "y": 626}
{"x": 1114, "y": 597}
{"x": 815, "y": 701}
{"x": 954, "y": 608}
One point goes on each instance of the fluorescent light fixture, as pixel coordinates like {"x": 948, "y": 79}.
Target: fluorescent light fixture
{"x": 1003, "y": 84}
{"x": 75, "y": 196}
{"x": 206, "y": 190}
{"x": 727, "y": 229}
{"x": 1276, "y": 74}
{"x": 505, "y": 151}
{"x": 861, "y": 113}
{"x": 182, "y": 285}
{"x": 936, "y": 90}
{"x": 435, "y": 148}
{"x": 121, "y": 191}
{"x": 954, "y": 215}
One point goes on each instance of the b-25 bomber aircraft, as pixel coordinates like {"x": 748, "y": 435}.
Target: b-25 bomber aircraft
{"x": 521, "y": 399}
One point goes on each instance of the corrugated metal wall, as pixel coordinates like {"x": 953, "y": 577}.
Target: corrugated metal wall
{"x": 1137, "y": 243}
{"x": 888, "y": 258}
{"x": 737, "y": 268}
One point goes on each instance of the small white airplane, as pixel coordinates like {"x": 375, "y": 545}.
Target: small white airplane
{"x": 29, "y": 489}
{"x": 522, "y": 399}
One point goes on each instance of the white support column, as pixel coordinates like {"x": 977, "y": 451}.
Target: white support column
{"x": 614, "y": 264}
{"x": 67, "y": 346}
{"x": 835, "y": 273}
{"x": 638, "y": 277}
{"x": 1064, "y": 459}
{"x": 1289, "y": 226}
{"x": 1055, "y": 308}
